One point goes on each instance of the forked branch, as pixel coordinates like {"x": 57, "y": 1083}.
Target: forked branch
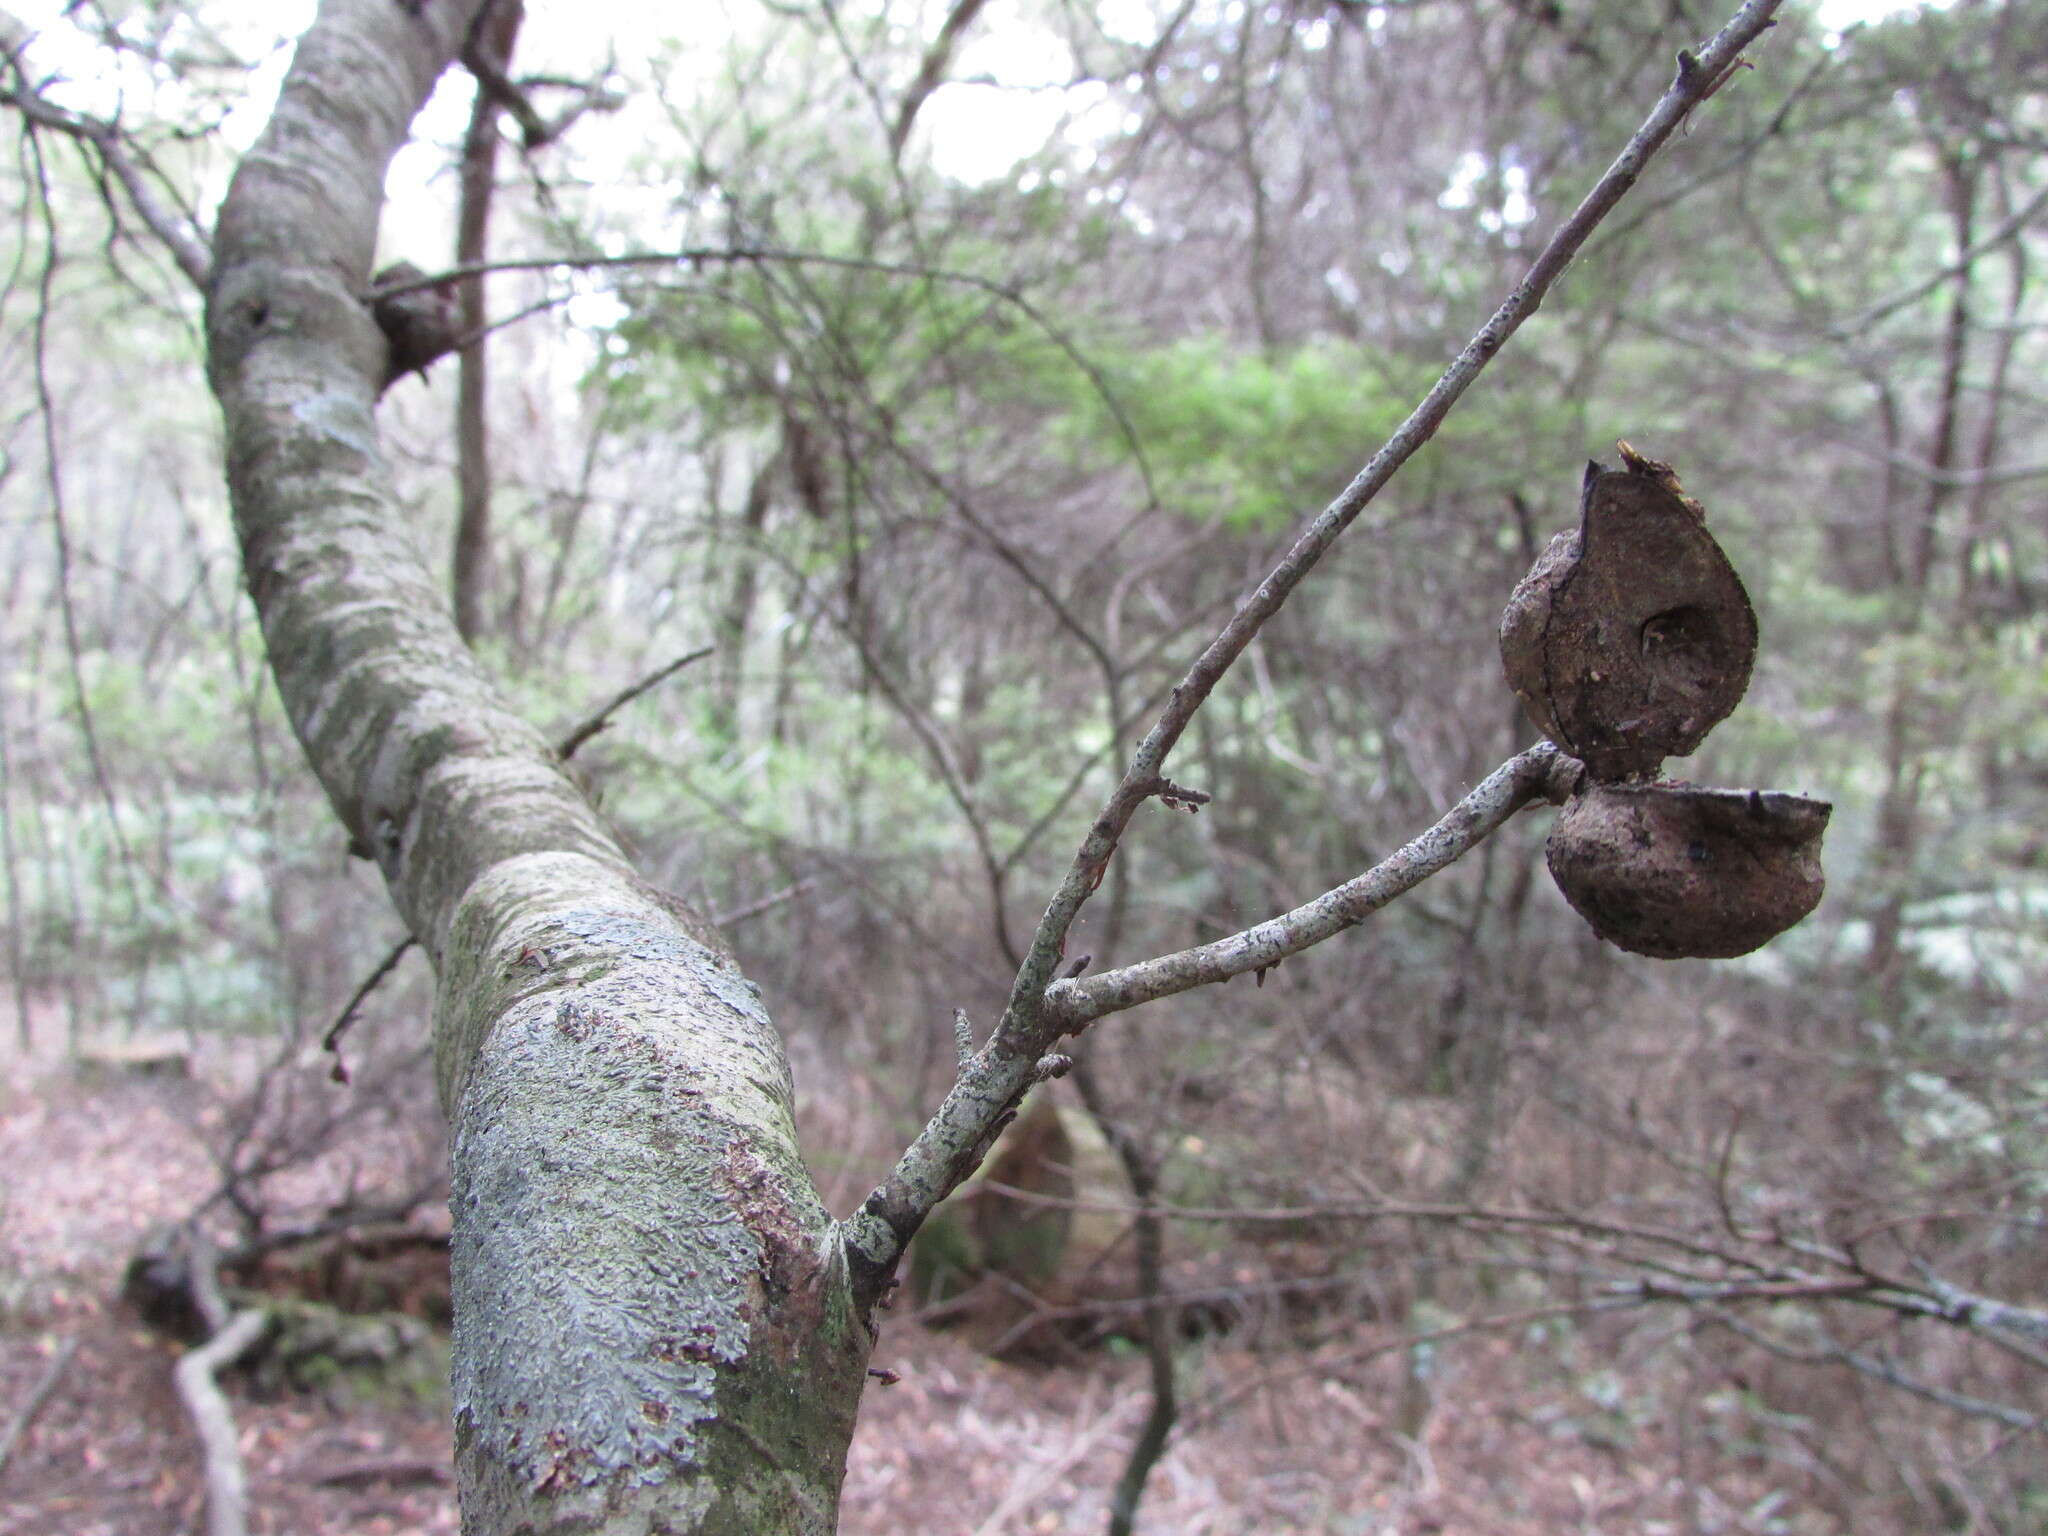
{"x": 1541, "y": 773}
{"x": 991, "y": 1084}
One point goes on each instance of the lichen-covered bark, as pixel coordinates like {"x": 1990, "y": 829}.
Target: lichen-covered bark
{"x": 654, "y": 1326}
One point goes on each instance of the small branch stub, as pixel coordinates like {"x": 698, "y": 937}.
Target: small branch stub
{"x": 420, "y": 325}
{"x": 1178, "y": 797}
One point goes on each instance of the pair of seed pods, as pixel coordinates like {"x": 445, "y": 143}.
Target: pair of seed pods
{"x": 1628, "y": 641}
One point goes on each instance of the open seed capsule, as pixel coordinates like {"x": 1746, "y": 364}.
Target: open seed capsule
{"x": 1632, "y": 636}
{"x": 1675, "y": 870}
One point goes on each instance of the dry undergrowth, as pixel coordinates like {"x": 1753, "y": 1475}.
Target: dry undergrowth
{"x": 1529, "y": 1433}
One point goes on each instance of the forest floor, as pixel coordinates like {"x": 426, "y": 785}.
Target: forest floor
{"x": 1276, "y": 1441}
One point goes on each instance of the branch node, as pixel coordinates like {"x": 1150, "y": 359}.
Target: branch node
{"x": 1051, "y": 1066}
{"x": 963, "y": 1037}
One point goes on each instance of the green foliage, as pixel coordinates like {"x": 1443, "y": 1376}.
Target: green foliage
{"x": 1244, "y": 438}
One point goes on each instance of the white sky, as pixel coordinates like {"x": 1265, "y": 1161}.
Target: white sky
{"x": 976, "y": 131}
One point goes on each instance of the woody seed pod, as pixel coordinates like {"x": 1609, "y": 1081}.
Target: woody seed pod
{"x": 1632, "y": 637}
{"x": 1676, "y": 870}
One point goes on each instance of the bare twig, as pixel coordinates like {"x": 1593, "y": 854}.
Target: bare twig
{"x": 331, "y": 1041}
{"x": 2015, "y": 223}
{"x": 1696, "y": 78}
{"x": 38, "y": 1398}
{"x": 1148, "y": 1241}
{"x": 1515, "y": 784}
{"x": 1880, "y": 1369}
{"x": 602, "y": 717}
{"x": 764, "y": 904}
{"x": 1026, "y": 1491}
{"x": 186, "y": 244}
{"x": 536, "y": 131}
{"x": 763, "y": 255}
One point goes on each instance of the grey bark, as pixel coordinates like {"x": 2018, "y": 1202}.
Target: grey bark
{"x": 227, "y": 1482}
{"x": 654, "y": 1326}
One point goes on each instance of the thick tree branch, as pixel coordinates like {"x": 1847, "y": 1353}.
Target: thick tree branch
{"x": 647, "y": 1302}
{"x": 569, "y": 745}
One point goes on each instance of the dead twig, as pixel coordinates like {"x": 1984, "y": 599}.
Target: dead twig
{"x": 331, "y": 1041}
{"x": 1530, "y": 776}
{"x": 765, "y": 904}
{"x": 602, "y": 717}
{"x": 38, "y": 1398}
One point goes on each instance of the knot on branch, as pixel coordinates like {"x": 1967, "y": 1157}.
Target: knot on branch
{"x": 420, "y": 323}
{"x": 1051, "y": 1066}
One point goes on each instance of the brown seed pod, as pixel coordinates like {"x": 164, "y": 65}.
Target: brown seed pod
{"x": 1632, "y": 636}
{"x": 1674, "y": 870}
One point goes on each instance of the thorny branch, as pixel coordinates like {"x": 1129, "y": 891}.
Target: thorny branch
{"x": 991, "y": 1085}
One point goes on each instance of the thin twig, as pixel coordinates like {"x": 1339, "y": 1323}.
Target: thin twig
{"x": 186, "y": 244}
{"x": 566, "y": 748}
{"x": 38, "y": 1398}
{"x": 764, "y": 255}
{"x": 331, "y": 1041}
{"x": 765, "y": 904}
{"x": 1515, "y": 784}
{"x": 1857, "y": 325}
{"x": 1881, "y": 1369}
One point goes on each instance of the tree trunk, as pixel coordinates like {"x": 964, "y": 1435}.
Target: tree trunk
{"x": 654, "y": 1325}
{"x": 472, "y": 559}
